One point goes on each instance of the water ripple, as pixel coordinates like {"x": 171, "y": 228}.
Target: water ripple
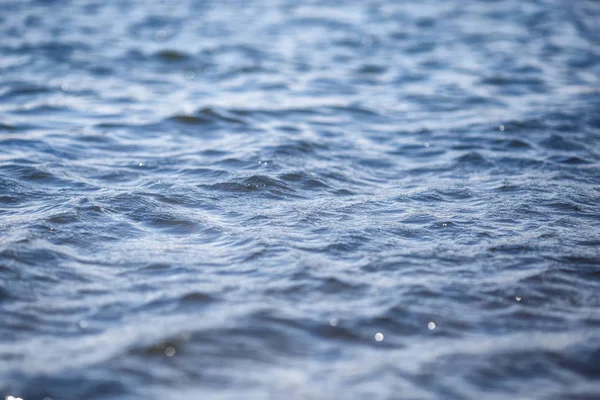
{"x": 274, "y": 199}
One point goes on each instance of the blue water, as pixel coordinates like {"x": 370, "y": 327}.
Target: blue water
{"x": 273, "y": 199}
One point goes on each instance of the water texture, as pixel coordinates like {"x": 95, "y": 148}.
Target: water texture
{"x": 300, "y": 199}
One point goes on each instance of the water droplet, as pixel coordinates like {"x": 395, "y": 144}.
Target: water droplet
{"x": 367, "y": 41}
{"x": 190, "y": 74}
{"x": 170, "y": 351}
{"x": 517, "y": 298}
{"x": 141, "y": 164}
{"x": 160, "y": 36}
{"x": 334, "y": 322}
{"x": 431, "y": 325}
{"x": 426, "y": 144}
{"x": 502, "y": 128}
{"x": 83, "y": 324}
{"x": 64, "y": 87}
{"x": 379, "y": 336}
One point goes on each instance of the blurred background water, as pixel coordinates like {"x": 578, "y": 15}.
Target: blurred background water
{"x": 300, "y": 199}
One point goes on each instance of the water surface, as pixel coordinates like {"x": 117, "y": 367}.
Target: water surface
{"x": 306, "y": 200}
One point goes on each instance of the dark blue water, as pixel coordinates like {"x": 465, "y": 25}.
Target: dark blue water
{"x": 275, "y": 199}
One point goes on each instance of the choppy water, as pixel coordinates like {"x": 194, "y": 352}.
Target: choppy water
{"x": 316, "y": 199}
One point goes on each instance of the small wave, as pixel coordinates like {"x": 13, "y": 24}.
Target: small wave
{"x": 205, "y": 116}
{"x": 172, "y": 55}
{"x": 473, "y": 159}
{"x": 24, "y": 89}
{"x": 303, "y": 181}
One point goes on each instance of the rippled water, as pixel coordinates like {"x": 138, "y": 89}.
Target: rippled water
{"x": 316, "y": 199}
